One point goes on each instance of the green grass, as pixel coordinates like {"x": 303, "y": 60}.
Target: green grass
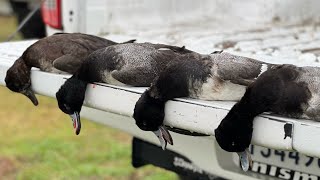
{"x": 39, "y": 142}
{"x": 8, "y": 25}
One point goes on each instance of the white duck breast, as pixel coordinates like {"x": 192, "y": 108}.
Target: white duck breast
{"x": 311, "y": 76}
{"x": 108, "y": 78}
{"x": 264, "y": 68}
{"x": 229, "y": 77}
{"x": 217, "y": 89}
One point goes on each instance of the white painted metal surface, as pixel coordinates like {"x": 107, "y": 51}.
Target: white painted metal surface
{"x": 118, "y": 16}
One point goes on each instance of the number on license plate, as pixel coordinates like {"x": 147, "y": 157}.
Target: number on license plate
{"x": 284, "y": 164}
{"x": 282, "y": 155}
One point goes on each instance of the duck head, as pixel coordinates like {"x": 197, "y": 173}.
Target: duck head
{"x": 234, "y": 135}
{"x": 18, "y": 80}
{"x": 70, "y": 98}
{"x": 149, "y": 116}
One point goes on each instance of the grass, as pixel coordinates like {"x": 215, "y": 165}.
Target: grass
{"x": 8, "y": 26}
{"x": 39, "y": 143}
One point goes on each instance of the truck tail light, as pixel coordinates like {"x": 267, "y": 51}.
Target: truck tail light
{"x": 51, "y": 13}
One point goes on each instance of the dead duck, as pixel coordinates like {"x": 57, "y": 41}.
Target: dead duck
{"x": 134, "y": 64}
{"x": 218, "y": 76}
{"x": 59, "y": 53}
{"x": 284, "y": 89}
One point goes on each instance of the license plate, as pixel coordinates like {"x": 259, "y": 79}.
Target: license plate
{"x": 283, "y": 164}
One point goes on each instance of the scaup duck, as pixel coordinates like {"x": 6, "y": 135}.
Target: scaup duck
{"x": 284, "y": 89}
{"x": 59, "y": 53}
{"x": 131, "y": 64}
{"x": 218, "y": 76}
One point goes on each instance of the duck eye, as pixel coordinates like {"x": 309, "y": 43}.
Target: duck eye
{"x": 67, "y": 107}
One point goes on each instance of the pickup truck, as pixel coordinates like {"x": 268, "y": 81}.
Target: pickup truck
{"x": 34, "y": 27}
{"x": 275, "y": 32}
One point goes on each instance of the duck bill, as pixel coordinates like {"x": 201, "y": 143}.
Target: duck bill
{"x": 30, "y": 94}
{"x": 245, "y": 159}
{"x": 164, "y": 137}
{"x": 76, "y": 122}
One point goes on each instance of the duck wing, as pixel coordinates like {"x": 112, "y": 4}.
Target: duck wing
{"x": 176, "y": 49}
{"x": 138, "y": 76}
{"x": 68, "y": 63}
{"x": 238, "y": 69}
{"x": 138, "y": 64}
{"x": 141, "y": 69}
{"x": 77, "y": 49}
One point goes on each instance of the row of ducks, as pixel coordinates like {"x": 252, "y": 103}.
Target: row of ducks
{"x": 171, "y": 72}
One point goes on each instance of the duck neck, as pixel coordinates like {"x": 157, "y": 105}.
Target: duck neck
{"x": 82, "y": 73}
{"x": 78, "y": 89}
{"x": 82, "y": 83}
{"x": 154, "y": 98}
{"x": 21, "y": 65}
{"x": 244, "y": 112}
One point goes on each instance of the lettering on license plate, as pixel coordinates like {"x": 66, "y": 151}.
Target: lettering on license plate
{"x": 282, "y": 173}
{"x": 284, "y": 164}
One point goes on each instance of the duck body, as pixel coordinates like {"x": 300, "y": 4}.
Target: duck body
{"x": 287, "y": 90}
{"x": 131, "y": 64}
{"x": 218, "y": 76}
{"x": 227, "y": 77}
{"x": 135, "y": 64}
{"x": 63, "y": 52}
{"x": 283, "y": 89}
{"x": 59, "y": 53}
